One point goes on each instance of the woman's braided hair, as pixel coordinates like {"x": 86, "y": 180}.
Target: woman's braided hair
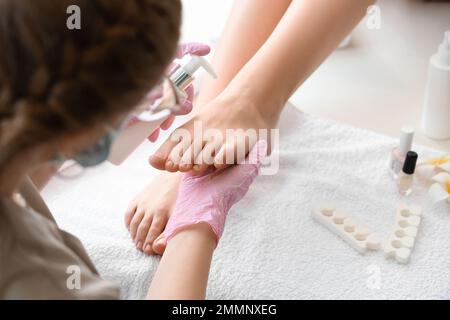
{"x": 54, "y": 80}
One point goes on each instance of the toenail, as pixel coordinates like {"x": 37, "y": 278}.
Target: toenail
{"x": 169, "y": 163}
{"x": 139, "y": 245}
{"x": 147, "y": 248}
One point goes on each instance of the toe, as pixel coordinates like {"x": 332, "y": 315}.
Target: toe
{"x": 191, "y": 155}
{"x": 159, "y": 245}
{"x": 205, "y": 159}
{"x": 234, "y": 151}
{"x": 187, "y": 160}
{"x": 175, "y": 156}
{"x": 134, "y": 225}
{"x": 157, "y": 227}
{"x": 143, "y": 230}
{"x": 148, "y": 249}
{"x": 226, "y": 155}
{"x": 129, "y": 214}
{"x": 159, "y": 158}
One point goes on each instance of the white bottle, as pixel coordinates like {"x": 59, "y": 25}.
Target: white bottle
{"x": 436, "y": 110}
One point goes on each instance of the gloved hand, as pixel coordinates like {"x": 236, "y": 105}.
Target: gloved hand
{"x": 198, "y": 49}
{"x": 208, "y": 198}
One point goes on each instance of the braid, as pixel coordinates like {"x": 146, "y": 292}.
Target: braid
{"x": 54, "y": 80}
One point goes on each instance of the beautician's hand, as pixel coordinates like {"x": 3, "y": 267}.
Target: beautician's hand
{"x": 198, "y": 49}
{"x": 208, "y": 198}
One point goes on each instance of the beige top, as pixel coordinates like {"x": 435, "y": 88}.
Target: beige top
{"x": 40, "y": 261}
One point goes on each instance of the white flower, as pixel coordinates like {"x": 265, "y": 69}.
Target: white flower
{"x": 429, "y": 168}
{"x": 440, "y": 190}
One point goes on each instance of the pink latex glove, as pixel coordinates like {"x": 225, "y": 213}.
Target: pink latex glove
{"x": 208, "y": 198}
{"x": 195, "y": 48}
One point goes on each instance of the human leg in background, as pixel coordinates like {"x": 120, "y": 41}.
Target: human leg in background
{"x": 250, "y": 24}
{"x": 255, "y": 96}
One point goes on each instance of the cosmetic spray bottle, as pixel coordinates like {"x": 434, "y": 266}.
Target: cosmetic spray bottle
{"x": 406, "y": 178}
{"x": 132, "y": 136}
{"x": 398, "y": 154}
{"x": 436, "y": 109}
{"x": 184, "y": 75}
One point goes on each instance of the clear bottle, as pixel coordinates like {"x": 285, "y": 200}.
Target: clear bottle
{"x": 406, "y": 178}
{"x": 398, "y": 154}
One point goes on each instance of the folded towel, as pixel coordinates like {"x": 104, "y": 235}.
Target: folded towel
{"x": 271, "y": 247}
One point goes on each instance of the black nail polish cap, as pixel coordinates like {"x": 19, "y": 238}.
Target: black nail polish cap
{"x": 409, "y": 166}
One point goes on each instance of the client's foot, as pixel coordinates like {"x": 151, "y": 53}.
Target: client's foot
{"x": 208, "y": 198}
{"x": 147, "y": 215}
{"x": 216, "y": 145}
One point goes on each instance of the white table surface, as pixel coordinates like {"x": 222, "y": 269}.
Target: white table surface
{"x": 377, "y": 82}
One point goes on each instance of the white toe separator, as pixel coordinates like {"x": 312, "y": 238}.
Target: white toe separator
{"x": 403, "y": 237}
{"x": 358, "y": 237}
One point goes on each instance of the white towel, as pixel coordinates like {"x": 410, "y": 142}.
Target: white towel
{"x": 272, "y": 248}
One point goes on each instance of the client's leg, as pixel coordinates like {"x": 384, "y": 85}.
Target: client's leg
{"x": 184, "y": 268}
{"x": 196, "y": 226}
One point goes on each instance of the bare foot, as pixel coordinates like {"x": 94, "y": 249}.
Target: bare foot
{"x": 186, "y": 150}
{"x": 147, "y": 215}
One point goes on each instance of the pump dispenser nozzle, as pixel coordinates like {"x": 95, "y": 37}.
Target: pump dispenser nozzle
{"x": 196, "y": 62}
{"x": 446, "y": 43}
{"x": 443, "y": 54}
{"x": 184, "y": 75}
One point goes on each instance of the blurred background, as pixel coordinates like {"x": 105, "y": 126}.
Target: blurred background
{"x": 377, "y": 82}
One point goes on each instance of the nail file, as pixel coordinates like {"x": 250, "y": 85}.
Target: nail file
{"x": 403, "y": 236}
{"x": 358, "y": 237}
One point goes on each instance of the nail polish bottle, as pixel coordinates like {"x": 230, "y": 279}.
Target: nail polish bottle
{"x": 398, "y": 154}
{"x": 406, "y": 178}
